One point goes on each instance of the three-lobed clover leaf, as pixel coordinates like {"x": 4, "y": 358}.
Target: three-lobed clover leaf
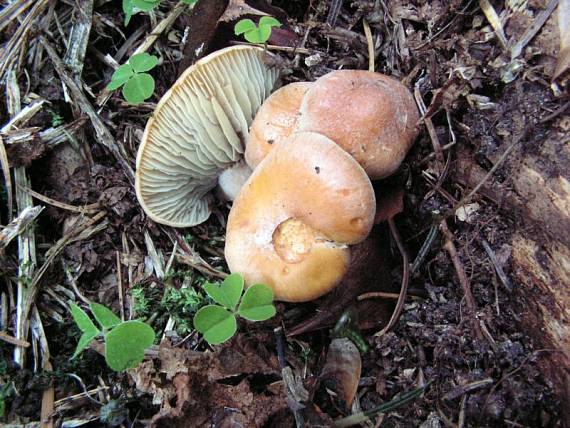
{"x": 218, "y": 322}
{"x": 137, "y": 84}
{"x": 257, "y": 303}
{"x": 256, "y": 33}
{"x": 228, "y": 292}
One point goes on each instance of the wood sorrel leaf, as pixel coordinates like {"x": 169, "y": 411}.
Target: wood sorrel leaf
{"x": 126, "y": 343}
{"x": 257, "y": 303}
{"x": 104, "y": 316}
{"x": 120, "y": 76}
{"x": 138, "y": 88}
{"x": 228, "y": 292}
{"x": 269, "y": 21}
{"x": 143, "y": 62}
{"x": 217, "y": 324}
{"x": 244, "y": 26}
{"x": 82, "y": 319}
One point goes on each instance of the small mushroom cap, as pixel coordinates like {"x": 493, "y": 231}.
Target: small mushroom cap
{"x": 370, "y": 115}
{"x": 292, "y": 223}
{"x": 197, "y": 131}
{"x": 275, "y": 121}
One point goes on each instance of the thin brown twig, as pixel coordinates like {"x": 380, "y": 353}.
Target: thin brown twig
{"x": 405, "y": 279}
{"x": 370, "y": 42}
{"x": 449, "y": 246}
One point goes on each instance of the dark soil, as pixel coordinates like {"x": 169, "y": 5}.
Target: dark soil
{"x": 438, "y": 47}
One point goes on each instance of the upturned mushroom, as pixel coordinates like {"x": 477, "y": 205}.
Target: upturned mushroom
{"x": 196, "y": 137}
{"x": 294, "y": 220}
{"x": 371, "y": 116}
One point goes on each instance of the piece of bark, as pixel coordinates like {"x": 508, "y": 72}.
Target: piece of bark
{"x": 536, "y": 192}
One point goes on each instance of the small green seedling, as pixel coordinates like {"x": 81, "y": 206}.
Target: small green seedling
{"x": 256, "y": 33}
{"x": 125, "y": 341}
{"x": 218, "y": 322}
{"x": 130, "y": 7}
{"x": 137, "y": 85}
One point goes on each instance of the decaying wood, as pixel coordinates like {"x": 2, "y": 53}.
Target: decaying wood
{"x": 537, "y": 193}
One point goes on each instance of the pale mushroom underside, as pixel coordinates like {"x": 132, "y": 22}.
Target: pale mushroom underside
{"x": 199, "y": 129}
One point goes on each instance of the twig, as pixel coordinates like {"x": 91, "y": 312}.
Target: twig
{"x": 293, "y": 401}
{"x": 405, "y": 279}
{"x": 529, "y": 34}
{"x": 277, "y": 48}
{"x": 13, "y": 340}
{"x": 334, "y": 10}
{"x": 495, "y": 22}
{"x": 422, "y": 253}
{"x": 502, "y": 276}
{"x": 18, "y": 225}
{"x": 370, "y": 42}
{"x": 87, "y": 209}
{"x": 120, "y": 285}
{"x": 449, "y": 246}
{"x": 7, "y": 178}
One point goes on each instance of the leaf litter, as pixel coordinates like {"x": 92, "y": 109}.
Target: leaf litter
{"x": 477, "y": 93}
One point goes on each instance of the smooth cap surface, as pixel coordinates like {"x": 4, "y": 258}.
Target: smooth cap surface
{"x": 198, "y": 130}
{"x": 275, "y": 121}
{"x": 293, "y": 222}
{"x": 370, "y": 115}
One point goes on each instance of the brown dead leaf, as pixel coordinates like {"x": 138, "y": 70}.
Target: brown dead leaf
{"x": 238, "y": 8}
{"x": 204, "y": 387}
{"x": 342, "y": 369}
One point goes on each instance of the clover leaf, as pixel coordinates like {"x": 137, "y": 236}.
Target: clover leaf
{"x": 228, "y": 293}
{"x": 137, "y": 85}
{"x": 256, "y": 33}
{"x": 257, "y": 303}
{"x": 218, "y": 322}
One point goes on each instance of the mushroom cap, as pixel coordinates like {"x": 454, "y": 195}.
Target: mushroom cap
{"x": 275, "y": 121}
{"x": 292, "y": 223}
{"x": 197, "y": 130}
{"x": 370, "y": 115}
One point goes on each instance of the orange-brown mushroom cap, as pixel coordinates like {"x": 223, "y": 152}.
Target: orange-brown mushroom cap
{"x": 371, "y": 116}
{"x": 294, "y": 219}
{"x": 275, "y": 121}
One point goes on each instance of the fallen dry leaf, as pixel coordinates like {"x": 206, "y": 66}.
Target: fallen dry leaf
{"x": 207, "y": 388}
{"x": 238, "y": 8}
{"x": 342, "y": 369}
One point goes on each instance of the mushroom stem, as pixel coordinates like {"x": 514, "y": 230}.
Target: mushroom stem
{"x": 232, "y": 179}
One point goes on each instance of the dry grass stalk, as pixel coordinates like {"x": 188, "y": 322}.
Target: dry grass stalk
{"x": 18, "y": 225}
{"x": 15, "y": 45}
{"x": 87, "y": 209}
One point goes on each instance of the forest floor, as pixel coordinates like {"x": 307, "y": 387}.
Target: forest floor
{"x": 68, "y": 140}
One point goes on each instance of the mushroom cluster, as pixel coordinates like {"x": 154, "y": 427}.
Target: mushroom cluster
{"x": 313, "y": 148}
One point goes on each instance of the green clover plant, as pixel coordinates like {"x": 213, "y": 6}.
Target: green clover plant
{"x": 125, "y": 341}
{"x": 218, "y": 322}
{"x": 256, "y": 33}
{"x": 137, "y": 85}
{"x": 130, "y": 7}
